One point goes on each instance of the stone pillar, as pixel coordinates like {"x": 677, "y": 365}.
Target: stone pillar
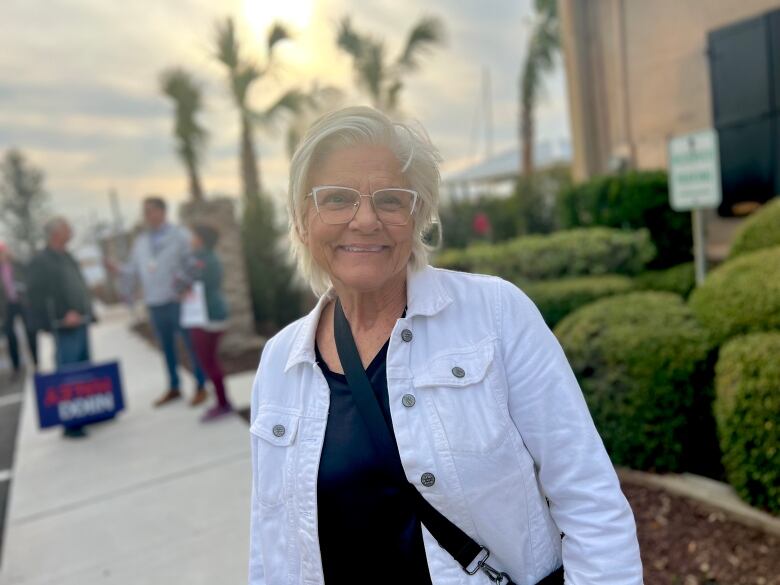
{"x": 220, "y": 214}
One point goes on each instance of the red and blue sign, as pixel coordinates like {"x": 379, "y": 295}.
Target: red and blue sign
{"x": 79, "y": 394}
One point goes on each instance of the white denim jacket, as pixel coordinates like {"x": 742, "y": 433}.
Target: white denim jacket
{"x": 506, "y": 432}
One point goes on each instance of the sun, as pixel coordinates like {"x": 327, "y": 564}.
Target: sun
{"x": 261, "y": 14}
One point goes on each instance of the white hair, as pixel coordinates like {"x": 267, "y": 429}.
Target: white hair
{"x": 53, "y": 225}
{"x": 358, "y": 125}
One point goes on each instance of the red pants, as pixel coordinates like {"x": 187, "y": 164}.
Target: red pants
{"x": 205, "y": 344}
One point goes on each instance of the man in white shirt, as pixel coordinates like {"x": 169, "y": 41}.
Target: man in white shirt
{"x": 157, "y": 258}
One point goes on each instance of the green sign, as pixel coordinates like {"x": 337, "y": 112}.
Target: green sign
{"x": 694, "y": 171}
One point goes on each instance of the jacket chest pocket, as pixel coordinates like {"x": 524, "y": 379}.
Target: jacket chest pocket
{"x": 461, "y": 387}
{"x": 274, "y": 434}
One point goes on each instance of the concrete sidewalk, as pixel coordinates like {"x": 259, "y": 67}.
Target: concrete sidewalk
{"x": 153, "y": 497}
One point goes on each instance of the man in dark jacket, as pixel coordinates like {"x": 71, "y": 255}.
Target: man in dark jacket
{"x": 60, "y": 300}
{"x": 13, "y": 304}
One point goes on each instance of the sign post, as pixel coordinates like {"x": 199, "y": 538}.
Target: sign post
{"x": 694, "y": 184}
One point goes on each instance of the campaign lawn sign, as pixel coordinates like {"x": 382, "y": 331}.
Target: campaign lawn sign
{"x": 79, "y": 394}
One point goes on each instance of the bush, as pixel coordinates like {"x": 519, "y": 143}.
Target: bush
{"x": 631, "y": 200}
{"x": 741, "y": 296}
{"x": 579, "y": 252}
{"x": 760, "y": 230}
{"x": 275, "y": 300}
{"x": 747, "y": 409}
{"x": 680, "y": 279}
{"x": 645, "y": 367}
{"x": 557, "y": 298}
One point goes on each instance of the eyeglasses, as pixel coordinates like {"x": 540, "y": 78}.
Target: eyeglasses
{"x": 336, "y": 205}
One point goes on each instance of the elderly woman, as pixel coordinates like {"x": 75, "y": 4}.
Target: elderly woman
{"x": 419, "y": 425}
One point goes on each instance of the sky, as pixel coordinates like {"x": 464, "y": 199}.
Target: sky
{"x": 79, "y": 90}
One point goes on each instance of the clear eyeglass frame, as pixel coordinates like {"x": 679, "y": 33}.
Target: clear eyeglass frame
{"x": 356, "y": 205}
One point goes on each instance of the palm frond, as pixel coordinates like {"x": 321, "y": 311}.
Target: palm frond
{"x": 349, "y": 40}
{"x": 293, "y": 101}
{"x": 228, "y": 50}
{"x": 371, "y": 70}
{"x": 428, "y": 32}
{"x": 241, "y": 80}
{"x": 277, "y": 34}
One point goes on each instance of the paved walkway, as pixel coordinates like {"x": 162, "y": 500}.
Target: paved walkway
{"x": 154, "y": 497}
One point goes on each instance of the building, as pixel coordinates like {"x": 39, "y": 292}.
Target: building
{"x": 640, "y": 72}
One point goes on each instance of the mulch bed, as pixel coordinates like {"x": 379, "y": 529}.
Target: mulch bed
{"x": 685, "y": 542}
{"x": 682, "y": 541}
{"x": 232, "y": 363}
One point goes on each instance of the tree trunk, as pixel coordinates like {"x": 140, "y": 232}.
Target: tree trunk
{"x": 196, "y": 191}
{"x": 528, "y": 86}
{"x": 250, "y": 169}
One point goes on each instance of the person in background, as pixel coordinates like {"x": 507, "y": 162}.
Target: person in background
{"x": 158, "y": 256}
{"x": 206, "y": 268}
{"x": 60, "y": 301}
{"x": 13, "y": 304}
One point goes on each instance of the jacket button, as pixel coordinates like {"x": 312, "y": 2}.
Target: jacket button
{"x": 406, "y": 335}
{"x": 428, "y": 479}
{"x": 458, "y": 372}
{"x": 408, "y": 400}
{"x": 278, "y": 430}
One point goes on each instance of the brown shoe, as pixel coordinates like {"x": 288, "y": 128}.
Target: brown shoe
{"x": 200, "y": 396}
{"x": 169, "y": 396}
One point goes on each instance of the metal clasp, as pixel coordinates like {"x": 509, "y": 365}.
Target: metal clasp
{"x": 480, "y": 562}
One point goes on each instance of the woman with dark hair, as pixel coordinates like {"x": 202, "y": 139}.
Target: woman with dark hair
{"x": 207, "y": 269}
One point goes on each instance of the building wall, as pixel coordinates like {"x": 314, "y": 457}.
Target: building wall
{"x": 638, "y": 73}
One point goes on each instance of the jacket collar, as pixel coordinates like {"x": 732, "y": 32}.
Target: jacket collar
{"x": 425, "y": 294}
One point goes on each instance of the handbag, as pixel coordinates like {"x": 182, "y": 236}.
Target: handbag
{"x": 193, "y": 311}
{"x": 470, "y": 555}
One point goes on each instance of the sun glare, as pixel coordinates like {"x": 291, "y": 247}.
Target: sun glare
{"x": 260, "y": 14}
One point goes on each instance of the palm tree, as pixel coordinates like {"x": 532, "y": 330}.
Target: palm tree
{"x": 543, "y": 46}
{"x": 242, "y": 74}
{"x": 317, "y": 101}
{"x": 383, "y": 81}
{"x": 185, "y": 93}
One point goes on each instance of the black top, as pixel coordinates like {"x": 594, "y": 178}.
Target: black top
{"x": 368, "y": 528}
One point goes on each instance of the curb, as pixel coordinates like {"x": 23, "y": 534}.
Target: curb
{"x": 703, "y": 489}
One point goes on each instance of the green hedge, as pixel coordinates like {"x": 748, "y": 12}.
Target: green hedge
{"x": 747, "y": 408}
{"x": 645, "y": 367}
{"x": 631, "y": 200}
{"x": 760, "y": 230}
{"x": 557, "y": 298}
{"x": 741, "y": 296}
{"x": 562, "y": 254}
{"x": 680, "y": 279}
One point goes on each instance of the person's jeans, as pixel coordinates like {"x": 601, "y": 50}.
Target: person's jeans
{"x": 72, "y": 345}
{"x": 165, "y": 319}
{"x": 14, "y": 310}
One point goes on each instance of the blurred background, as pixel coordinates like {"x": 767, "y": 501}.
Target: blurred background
{"x": 555, "y": 120}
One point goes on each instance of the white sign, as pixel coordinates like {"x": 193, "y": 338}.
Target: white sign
{"x": 694, "y": 171}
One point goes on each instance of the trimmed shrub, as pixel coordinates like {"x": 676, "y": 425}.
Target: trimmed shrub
{"x": 760, "y": 230}
{"x": 633, "y": 200}
{"x": 557, "y": 298}
{"x": 579, "y": 252}
{"x": 680, "y": 279}
{"x": 747, "y": 410}
{"x": 645, "y": 367}
{"x": 741, "y": 296}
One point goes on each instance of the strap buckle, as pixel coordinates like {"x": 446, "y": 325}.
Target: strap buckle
{"x": 480, "y": 562}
